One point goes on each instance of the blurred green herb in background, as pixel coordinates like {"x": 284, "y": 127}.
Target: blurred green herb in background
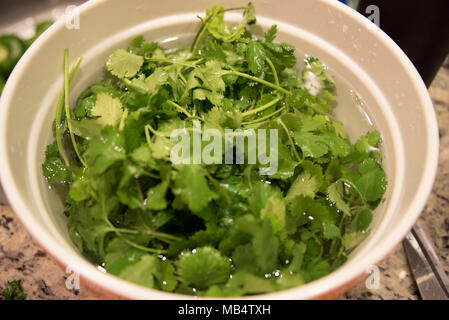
{"x": 13, "y": 291}
{"x": 12, "y": 48}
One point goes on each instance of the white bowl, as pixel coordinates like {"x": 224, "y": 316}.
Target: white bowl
{"x": 359, "y": 52}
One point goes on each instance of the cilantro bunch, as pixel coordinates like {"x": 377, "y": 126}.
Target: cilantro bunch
{"x": 212, "y": 230}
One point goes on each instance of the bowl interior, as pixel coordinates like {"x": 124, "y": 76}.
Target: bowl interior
{"x": 363, "y": 57}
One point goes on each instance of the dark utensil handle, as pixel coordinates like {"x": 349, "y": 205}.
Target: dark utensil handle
{"x": 419, "y": 27}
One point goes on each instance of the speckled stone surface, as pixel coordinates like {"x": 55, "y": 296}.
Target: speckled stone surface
{"x": 21, "y": 258}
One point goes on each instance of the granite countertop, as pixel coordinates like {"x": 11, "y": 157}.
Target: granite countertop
{"x": 21, "y": 258}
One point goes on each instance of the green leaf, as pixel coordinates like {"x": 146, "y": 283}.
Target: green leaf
{"x": 260, "y": 195}
{"x": 266, "y": 248}
{"x": 338, "y": 146}
{"x": 223, "y": 31}
{"x": 286, "y": 164}
{"x": 87, "y": 128}
{"x": 81, "y": 187}
{"x": 270, "y": 35}
{"x": 330, "y": 230}
{"x": 317, "y": 269}
{"x": 274, "y": 210}
{"x": 193, "y": 188}
{"x": 156, "y": 197}
{"x": 311, "y": 145}
{"x": 140, "y": 47}
{"x": 352, "y": 239}
{"x": 305, "y": 184}
{"x": 55, "y": 171}
{"x": 371, "y": 180}
{"x": 120, "y": 255}
{"x": 256, "y": 57}
{"x": 106, "y": 150}
{"x": 243, "y": 258}
{"x": 335, "y": 194}
{"x": 165, "y": 276}
{"x": 316, "y": 79}
{"x": 142, "y": 272}
{"x": 204, "y": 267}
{"x": 158, "y": 78}
{"x": 108, "y": 109}
{"x": 282, "y": 55}
{"x": 298, "y": 257}
{"x": 253, "y": 284}
{"x": 124, "y": 64}
{"x": 304, "y": 209}
{"x": 363, "y": 219}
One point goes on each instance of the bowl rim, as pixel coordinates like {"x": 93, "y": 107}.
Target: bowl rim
{"x": 317, "y": 288}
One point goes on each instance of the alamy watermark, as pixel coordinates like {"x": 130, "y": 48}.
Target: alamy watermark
{"x": 259, "y": 147}
{"x": 374, "y": 14}
{"x": 72, "y": 282}
{"x": 72, "y": 18}
{"x": 372, "y": 281}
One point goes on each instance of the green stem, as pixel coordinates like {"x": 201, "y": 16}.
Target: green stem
{"x": 354, "y": 187}
{"x": 292, "y": 144}
{"x": 138, "y": 246}
{"x": 126, "y": 231}
{"x": 322, "y": 112}
{"x": 266, "y": 106}
{"x": 122, "y": 120}
{"x": 177, "y": 106}
{"x": 264, "y": 82}
{"x": 67, "y": 106}
{"x": 334, "y": 241}
{"x": 183, "y": 79}
{"x": 151, "y": 175}
{"x": 139, "y": 194}
{"x": 58, "y": 116}
{"x": 203, "y": 29}
{"x": 273, "y": 69}
{"x": 253, "y": 104}
{"x": 149, "y": 127}
{"x": 147, "y": 136}
{"x": 264, "y": 118}
{"x": 163, "y": 235}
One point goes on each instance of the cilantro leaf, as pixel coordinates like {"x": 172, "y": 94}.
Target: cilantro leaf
{"x": 266, "y": 248}
{"x": 124, "y": 64}
{"x": 256, "y": 57}
{"x": 305, "y": 184}
{"x": 371, "y": 180}
{"x": 335, "y": 192}
{"x": 141, "y": 272}
{"x": 193, "y": 188}
{"x": 330, "y": 230}
{"x": 108, "y": 109}
{"x": 270, "y": 35}
{"x": 204, "y": 267}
